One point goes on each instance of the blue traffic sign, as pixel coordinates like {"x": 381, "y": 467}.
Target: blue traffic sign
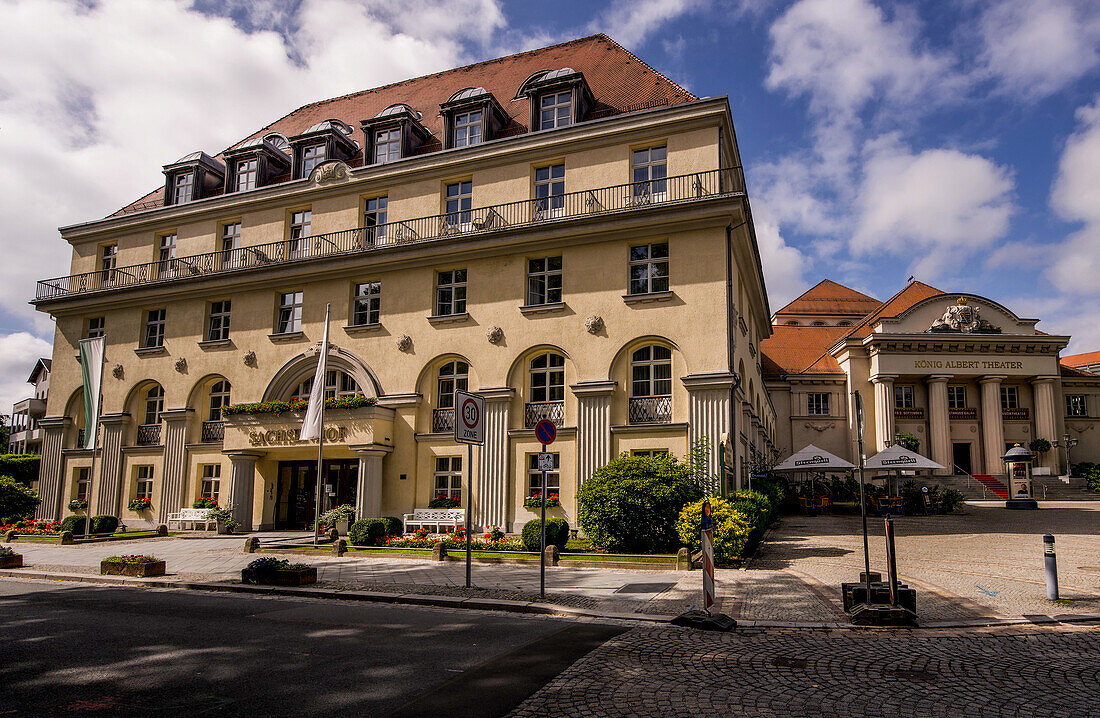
{"x": 545, "y": 431}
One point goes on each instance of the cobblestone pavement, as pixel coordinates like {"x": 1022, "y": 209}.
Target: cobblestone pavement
{"x": 668, "y": 671}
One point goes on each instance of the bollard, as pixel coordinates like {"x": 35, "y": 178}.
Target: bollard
{"x": 683, "y": 559}
{"x": 9, "y": 536}
{"x": 439, "y": 551}
{"x": 65, "y": 538}
{"x": 339, "y": 547}
{"x": 251, "y": 544}
{"x": 332, "y": 534}
{"x": 551, "y": 555}
{"x": 162, "y": 530}
{"x": 1051, "y": 562}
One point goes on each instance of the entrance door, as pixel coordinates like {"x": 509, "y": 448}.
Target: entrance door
{"x": 298, "y": 487}
{"x": 961, "y": 456}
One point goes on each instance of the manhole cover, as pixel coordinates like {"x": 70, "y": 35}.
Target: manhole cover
{"x": 645, "y": 587}
{"x": 785, "y": 662}
{"x": 913, "y": 675}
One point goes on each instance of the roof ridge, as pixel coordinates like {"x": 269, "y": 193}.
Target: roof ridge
{"x": 647, "y": 65}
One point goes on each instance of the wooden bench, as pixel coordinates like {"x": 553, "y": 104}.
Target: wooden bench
{"x": 194, "y": 517}
{"x": 435, "y": 518}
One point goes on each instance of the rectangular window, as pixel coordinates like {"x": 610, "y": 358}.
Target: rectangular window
{"x": 555, "y": 110}
{"x": 649, "y": 452}
{"x": 448, "y": 477}
{"x": 144, "y": 483}
{"x": 218, "y": 323}
{"x": 290, "y": 313}
{"x": 534, "y": 477}
{"x": 82, "y": 484}
{"x": 1010, "y": 398}
{"x": 450, "y": 292}
{"x": 300, "y": 228}
{"x": 97, "y": 327}
{"x": 467, "y": 129}
{"x": 649, "y": 171}
{"x": 549, "y": 191}
{"x": 108, "y": 257}
{"x": 183, "y": 189}
{"x": 544, "y": 281}
{"x": 246, "y": 174}
{"x": 649, "y": 268}
{"x": 166, "y": 254}
{"x": 956, "y": 397}
{"x": 1076, "y": 406}
{"x": 154, "y": 328}
{"x": 311, "y": 157}
{"x": 387, "y": 146}
{"x": 903, "y": 397}
{"x": 231, "y": 236}
{"x": 817, "y": 404}
{"x": 459, "y": 202}
{"x": 374, "y": 218}
{"x": 211, "y": 481}
{"x": 367, "y": 304}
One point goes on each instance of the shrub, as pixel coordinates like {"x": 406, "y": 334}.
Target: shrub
{"x": 912, "y": 498}
{"x": 104, "y": 524}
{"x": 282, "y": 407}
{"x": 394, "y": 526}
{"x": 21, "y": 467}
{"x": 367, "y": 532}
{"x": 1039, "y": 446}
{"x": 345, "y": 512}
{"x": 75, "y": 524}
{"x": 17, "y": 501}
{"x": 754, "y": 506}
{"x": 950, "y": 499}
{"x": 908, "y": 441}
{"x": 1083, "y": 469}
{"x": 631, "y": 503}
{"x": 731, "y": 529}
{"x": 557, "y": 533}
{"x": 270, "y": 564}
{"x": 776, "y": 490}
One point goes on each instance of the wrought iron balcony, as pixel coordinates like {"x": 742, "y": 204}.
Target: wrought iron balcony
{"x": 80, "y": 438}
{"x": 618, "y": 199}
{"x": 213, "y": 432}
{"x": 148, "y": 435}
{"x": 650, "y": 410}
{"x": 536, "y": 411}
{"x": 443, "y": 420}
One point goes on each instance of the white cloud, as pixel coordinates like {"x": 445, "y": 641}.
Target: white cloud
{"x": 1037, "y": 47}
{"x": 18, "y": 353}
{"x": 784, "y": 265}
{"x": 1076, "y": 197}
{"x": 935, "y": 207}
{"x": 631, "y": 22}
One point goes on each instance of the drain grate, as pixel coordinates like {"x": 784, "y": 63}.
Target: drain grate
{"x": 785, "y": 662}
{"x": 644, "y": 588}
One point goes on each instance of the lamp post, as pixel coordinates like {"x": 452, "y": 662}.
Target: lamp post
{"x": 1068, "y": 444}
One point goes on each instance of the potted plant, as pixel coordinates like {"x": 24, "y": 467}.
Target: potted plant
{"x": 224, "y": 518}
{"x": 140, "y": 505}
{"x": 339, "y": 518}
{"x": 271, "y": 571}
{"x": 445, "y": 502}
{"x": 9, "y": 558}
{"x": 78, "y": 505}
{"x": 132, "y": 565}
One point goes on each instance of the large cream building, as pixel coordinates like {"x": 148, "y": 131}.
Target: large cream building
{"x": 565, "y": 231}
{"x": 962, "y": 373}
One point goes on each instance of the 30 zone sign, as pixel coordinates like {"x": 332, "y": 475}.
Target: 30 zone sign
{"x": 469, "y": 418}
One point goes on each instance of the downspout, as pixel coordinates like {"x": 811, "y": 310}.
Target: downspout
{"x": 731, "y": 329}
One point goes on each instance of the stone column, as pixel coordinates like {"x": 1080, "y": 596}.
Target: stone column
{"x": 993, "y": 431}
{"x": 939, "y": 423}
{"x": 709, "y": 411}
{"x": 884, "y": 409}
{"x": 242, "y": 484}
{"x": 110, "y": 489}
{"x": 1046, "y": 417}
{"x": 51, "y": 468}
{"x": 491, "y": 496}
{"x": 175, "y": 462}
{"x": 593, "y": 426}
{"x": 368, "y": 489}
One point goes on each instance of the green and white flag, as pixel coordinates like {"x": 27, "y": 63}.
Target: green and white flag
{"x": 91, "y": 366}
{"x": 315, "y": 412}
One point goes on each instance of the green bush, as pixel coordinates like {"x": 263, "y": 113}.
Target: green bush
{"x": 557, "y": 533}
{"x": 731, "y": 529}
{"x": 104, "y": 524}
{"x": 75, "y": 524}
{"x": 908, "y": 441}
{"x": 754, "y": 506}
{"x": 1039, "y": 446}
{"x": 1083, "y": 469}
{"x": 1092, "y": 477}
{"x": 776, "y": 490}
{"x": 17, "y": 501}
{"x": 366, "y": 532}
{"x": 912, "y": 498}
{"x": 394, "y": 526}
{"x": 949, "y": 500}
{"x": 21, "y": 467}
{"x": 631, "y": 503}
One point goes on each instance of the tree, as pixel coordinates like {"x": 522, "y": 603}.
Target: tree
{"x": 908, "y": 441}
{"x": 16, "y": 500}
{"x": 1039, "y": 446}
{"x": 5, "y": 432}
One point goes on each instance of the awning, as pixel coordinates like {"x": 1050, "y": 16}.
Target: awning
{"x": 897, "y": 457}
{"x": 812, "y": 458}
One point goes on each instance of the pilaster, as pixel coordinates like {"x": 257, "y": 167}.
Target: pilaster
{"x": 708, "y": 412}
{"x": 108, "y": 498}
{"x": 593, "y": 426}
{"x": 368, "y": 490}
{"x": 491, "y": 498}
{"x": 175, "y": 462}
{"x": 242, "y": 484}
{"x": 51, "y": 468}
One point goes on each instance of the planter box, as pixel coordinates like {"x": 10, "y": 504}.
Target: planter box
{"x": 292, "y": 577}
{"x": 140, "y": 570}
{"x": 13, "y": 561}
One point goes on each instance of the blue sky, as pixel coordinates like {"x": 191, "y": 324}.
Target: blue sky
{"x": 958, "y": 142}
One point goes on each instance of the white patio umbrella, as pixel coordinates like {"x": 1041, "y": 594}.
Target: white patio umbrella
{"x": 898, "y": 458}
{"x": 812, "y": 458}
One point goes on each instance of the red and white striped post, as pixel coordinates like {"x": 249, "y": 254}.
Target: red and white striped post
{"x": 706, "y": 525}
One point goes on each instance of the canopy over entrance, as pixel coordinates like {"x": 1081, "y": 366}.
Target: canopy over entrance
{"x": 899, "y": 458}
{"x": 812, "y": 458}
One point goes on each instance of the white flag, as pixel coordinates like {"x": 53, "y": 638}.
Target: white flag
{"x": 91, "y": 366}
{"x": 311, "y": 424}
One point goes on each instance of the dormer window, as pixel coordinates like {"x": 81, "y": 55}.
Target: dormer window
{"x": 246, "y": 175}
{"x": 467, "y": 129}
{"x": 311, "y": 157}
{"x": 394, "y": 133}
{"x": 555, "y": 110}
{"x": 558, "y": 98}
{"x": 328, "y": 140}
{"x": 472, "y": 116}
{"x": 192, "y": 177}
{"x": 387, "y": 146}
{"x": 255, "y": 163}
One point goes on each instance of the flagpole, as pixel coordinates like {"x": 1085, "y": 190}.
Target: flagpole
{"x": 320, "y": 433}
{"x": 95, "y": 438}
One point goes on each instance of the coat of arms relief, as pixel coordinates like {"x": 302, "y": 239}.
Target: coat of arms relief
{"x": 961, "y": 317}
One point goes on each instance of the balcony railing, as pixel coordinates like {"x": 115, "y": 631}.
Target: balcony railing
{"x": 536, "y": 411}
{"x": 443, "y": 420}
{"x": 212, "y": 432}
{"x": 80, "y": 438}
{"x": 148, "y": 435}
{"x": 636, "y": 196}
{"x": 650, "y": 410}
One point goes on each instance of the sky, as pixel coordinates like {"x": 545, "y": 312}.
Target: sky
{"x": 954, "y": 142}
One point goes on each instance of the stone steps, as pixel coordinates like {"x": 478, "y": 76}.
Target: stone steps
{"x": 1056, "y": 489}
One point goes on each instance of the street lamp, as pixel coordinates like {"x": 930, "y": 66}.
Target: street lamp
{"x": 1068, "y": 444}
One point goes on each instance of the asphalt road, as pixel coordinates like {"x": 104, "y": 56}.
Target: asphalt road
{"x": 75, "y": 649}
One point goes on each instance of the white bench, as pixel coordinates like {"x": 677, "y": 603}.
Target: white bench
{"x": 436, "y": 518}
{"x": 194, "y": 517}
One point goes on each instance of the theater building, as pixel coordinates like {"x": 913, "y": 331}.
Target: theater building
{"x": 962, "y": 373}
{"x": 565, "y": 231}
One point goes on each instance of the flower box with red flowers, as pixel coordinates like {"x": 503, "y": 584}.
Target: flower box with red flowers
{"x": 535, "y": 501}
{"x": 453, "y": 501}
{"x": 205, "y": 502}
{"x": 9, "y": 558}
{"x": 271, "y": 571}
{"x": 132, "y": 565}
{"x": 140, "y": 505}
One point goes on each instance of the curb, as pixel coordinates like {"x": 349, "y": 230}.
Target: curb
{"x": 531, "y": 607}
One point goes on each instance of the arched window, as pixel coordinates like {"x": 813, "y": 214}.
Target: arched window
{"x": 337, "y": 383}
{"x": 219, "y": 398}
{"x": 453, "y": 376}
{"x": 154, "y": 405}
{"x": 548, "y": 378}
{"x": 651, "y": 371}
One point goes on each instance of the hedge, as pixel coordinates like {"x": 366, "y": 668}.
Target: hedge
{"x": 282, "y": 407}
{"x": 101, "y": 524}
{"x": 369, "y": 532}
{"x": 557, "y": 533}
{"x": 17, "y": 500}
{"x": 21, "y": 467}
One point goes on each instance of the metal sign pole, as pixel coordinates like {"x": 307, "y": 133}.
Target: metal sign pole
{"x": 862, "y": 502}
{"x": 542, "y": 525}
{"x": 469, "y": 508}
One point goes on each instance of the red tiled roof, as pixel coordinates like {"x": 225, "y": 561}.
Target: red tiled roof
{"x": 912, "y": 293}
{"x": 1074, "y": 371}
{"x": 1076, "y": 360}
{"x": 801, "y": 350}
{"x": 619, "y": 80}
{"x": 828, "y": 297}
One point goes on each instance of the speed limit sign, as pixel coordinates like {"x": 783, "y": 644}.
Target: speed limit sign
{"x": 469, "y": 418}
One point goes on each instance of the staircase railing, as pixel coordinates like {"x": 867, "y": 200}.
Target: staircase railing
{"x": 970, "y": 480}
